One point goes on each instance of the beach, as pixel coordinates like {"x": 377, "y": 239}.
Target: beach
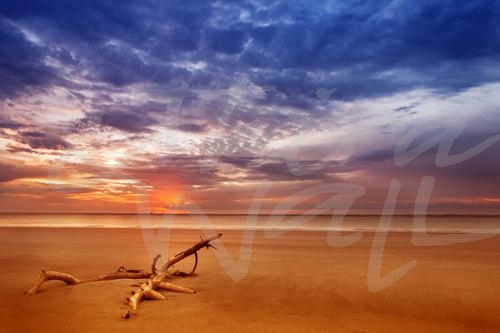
{"x": 295, "y": 283}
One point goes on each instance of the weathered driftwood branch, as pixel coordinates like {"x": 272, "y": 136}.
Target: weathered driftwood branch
{"x": 203, "y": 243}
{"x": 157, "y": 279}
{"x": 51, "y": 275}
{"x": 147, "y": 290}
{"x": 69, "y": 279}
{"x": 153, "y": 264}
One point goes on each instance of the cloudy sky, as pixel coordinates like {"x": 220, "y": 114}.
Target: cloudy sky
{"x": 104, "y": 104}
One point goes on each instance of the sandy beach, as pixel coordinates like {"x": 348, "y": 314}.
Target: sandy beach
{"x": 356, "y": 143}
{"x": 295, "y": 283}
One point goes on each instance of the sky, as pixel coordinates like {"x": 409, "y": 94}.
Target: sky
{"x": 249, "y": 106}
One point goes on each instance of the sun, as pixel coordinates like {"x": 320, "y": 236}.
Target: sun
{"x": 112, "y": 162}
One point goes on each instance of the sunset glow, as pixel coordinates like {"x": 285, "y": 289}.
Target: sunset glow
{"x": 210, "y": 109}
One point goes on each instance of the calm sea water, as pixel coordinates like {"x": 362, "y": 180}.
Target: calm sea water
{"x": 451, "y": 224}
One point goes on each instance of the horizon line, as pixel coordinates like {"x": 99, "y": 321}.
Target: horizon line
{"x": 244, "y": 214}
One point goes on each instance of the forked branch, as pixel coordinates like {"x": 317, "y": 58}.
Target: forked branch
{"x": 147, "y": 290}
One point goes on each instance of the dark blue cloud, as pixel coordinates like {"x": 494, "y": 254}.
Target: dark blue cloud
{"x": 127, "y": 121}
{"x": 478, "y": 171}
{"x": 43, "y": 140}
{"x": 91, "y": 22}
{"x": 407, "y": 108}
{"x": 448, "y": 31}
{"x": 133, "y": 118}
{"x": 442, "y": 45}
{"x": 226, "y": 41}
{"x": 362, "y": 48}
{"x": 22, "y": 66}
{"x": 192, "y": 128}
{"x": 6, "y": 123}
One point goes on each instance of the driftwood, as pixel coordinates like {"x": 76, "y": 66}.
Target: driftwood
{"x": 147, "y": 290}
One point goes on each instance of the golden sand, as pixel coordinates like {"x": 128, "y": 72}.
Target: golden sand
{"x": 295, "y": 283}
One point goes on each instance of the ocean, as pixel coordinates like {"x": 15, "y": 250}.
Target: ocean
{"x": 434, "y": 223}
